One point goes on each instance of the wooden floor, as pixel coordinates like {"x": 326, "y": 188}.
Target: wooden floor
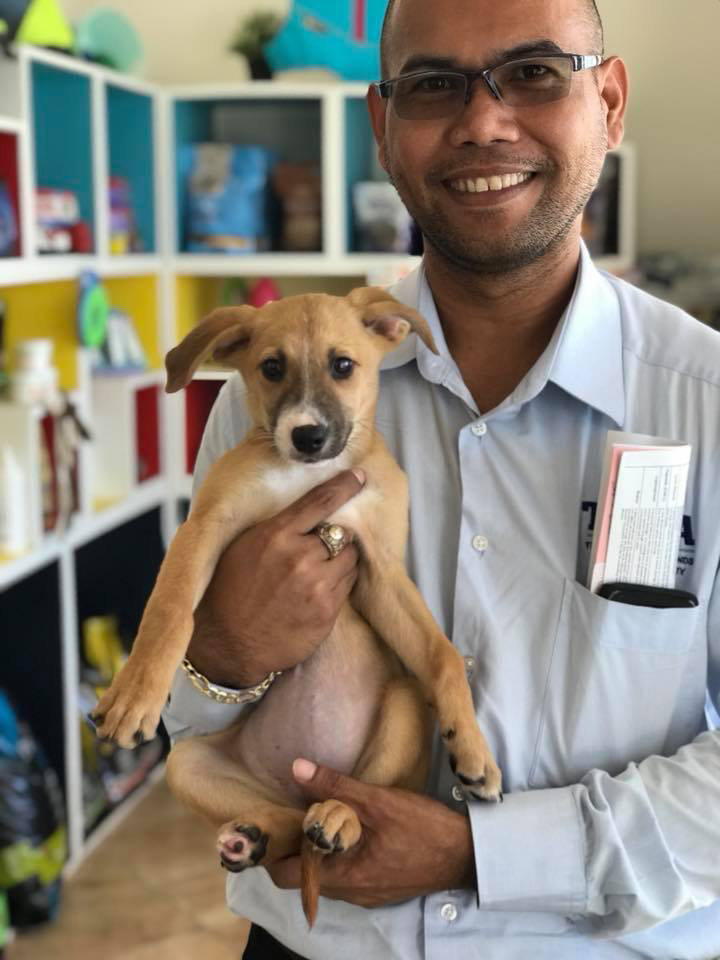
{"x": 152, "y": 891}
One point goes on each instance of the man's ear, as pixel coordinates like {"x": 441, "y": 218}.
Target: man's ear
{"x": 614, "y": 92}
{"x": 387, "y": 317}
{"x": 377, "y": 108}
{"x": 220, "y": 335}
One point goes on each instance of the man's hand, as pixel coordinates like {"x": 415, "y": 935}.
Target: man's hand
{"x": 275, "y": 594}
{"x": 410, "y": 845}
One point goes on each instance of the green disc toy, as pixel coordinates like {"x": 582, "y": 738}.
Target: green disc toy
{"x": 92, "y": 311}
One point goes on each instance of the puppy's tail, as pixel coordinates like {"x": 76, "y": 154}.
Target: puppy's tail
{"x": 310, "y": 858}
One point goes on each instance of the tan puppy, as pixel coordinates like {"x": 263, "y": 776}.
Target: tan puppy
{"x": 310, "y": 365}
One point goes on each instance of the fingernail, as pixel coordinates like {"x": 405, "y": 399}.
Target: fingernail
{"x": 359, "y": 473}
{"x": 304, "y": 770}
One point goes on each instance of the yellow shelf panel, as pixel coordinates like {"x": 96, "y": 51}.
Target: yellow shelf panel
{"x": 48, "y": 310}
{"x": 138, "y": 297}
{"x": 44, "y": 310}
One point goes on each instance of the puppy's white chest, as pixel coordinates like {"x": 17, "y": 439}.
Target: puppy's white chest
{"x": 289, "y": 483}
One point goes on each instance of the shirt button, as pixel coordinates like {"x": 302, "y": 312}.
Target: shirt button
{"x": 457, "y": 793}
{"x": 469, "y": 666}
{"x": 449, "y": 912}
{"x": 480, "y": 543}
{"x": 479, "y": 429}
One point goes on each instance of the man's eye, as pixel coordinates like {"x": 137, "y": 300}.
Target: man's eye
{"x": 341, "y": 368}
{"x": 273, "y": 369}
{"x": 533, "y": 71}
{"x": 434, "y": 84}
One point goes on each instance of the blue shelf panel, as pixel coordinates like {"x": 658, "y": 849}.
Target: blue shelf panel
{"x": 291, "y": 129}
{"x": 131, "y": 155}
{"x": 63, "y": 134}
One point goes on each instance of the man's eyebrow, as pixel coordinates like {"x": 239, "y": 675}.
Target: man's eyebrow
{"x": 528, "y": 49}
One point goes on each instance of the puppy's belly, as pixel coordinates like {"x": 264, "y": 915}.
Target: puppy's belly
{"x": 322, "y": 710}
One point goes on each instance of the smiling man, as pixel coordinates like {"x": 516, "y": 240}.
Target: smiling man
{"x": 493, "y": 121}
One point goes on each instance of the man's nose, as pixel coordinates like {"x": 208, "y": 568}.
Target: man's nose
{"x": 484, "y": 119}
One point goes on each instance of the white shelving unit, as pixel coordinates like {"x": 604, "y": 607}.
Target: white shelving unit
{"x": 324, "y": 125}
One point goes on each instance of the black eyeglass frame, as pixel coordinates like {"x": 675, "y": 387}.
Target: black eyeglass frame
{"x": 579, "y": 61}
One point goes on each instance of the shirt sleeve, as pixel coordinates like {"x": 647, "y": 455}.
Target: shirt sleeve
{"x": 188, "y": 712}
{"x": 618, "y": 854}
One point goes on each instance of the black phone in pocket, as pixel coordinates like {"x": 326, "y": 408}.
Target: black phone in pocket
{"x": 643, "y": 596}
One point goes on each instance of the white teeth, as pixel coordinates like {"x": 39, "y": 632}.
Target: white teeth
{"x": 496, "y": 182}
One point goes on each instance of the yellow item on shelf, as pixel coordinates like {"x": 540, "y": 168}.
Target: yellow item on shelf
{"x": 102, "y": 647}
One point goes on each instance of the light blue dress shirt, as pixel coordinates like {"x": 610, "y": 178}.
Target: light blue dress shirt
{"x": 608, "y": 843}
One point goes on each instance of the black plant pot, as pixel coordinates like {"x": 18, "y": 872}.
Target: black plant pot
{"x": 259, "y": 67}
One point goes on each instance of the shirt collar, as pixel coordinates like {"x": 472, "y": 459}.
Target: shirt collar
{"x": 584, "y": 356}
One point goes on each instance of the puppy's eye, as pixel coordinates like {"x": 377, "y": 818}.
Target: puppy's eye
{"x": 341, "y": 367}
{"x": 273, "y": 369}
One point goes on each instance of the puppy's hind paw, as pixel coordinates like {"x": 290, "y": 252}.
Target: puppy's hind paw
{"x": 240, "y": 846}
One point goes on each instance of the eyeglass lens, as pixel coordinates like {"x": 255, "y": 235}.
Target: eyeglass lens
{"x": 520, "y": 83}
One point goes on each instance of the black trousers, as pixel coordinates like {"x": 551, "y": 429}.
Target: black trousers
{"x": 261, "y": 946}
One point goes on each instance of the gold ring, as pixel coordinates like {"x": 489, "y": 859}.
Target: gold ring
{"x": 335, "y": 537}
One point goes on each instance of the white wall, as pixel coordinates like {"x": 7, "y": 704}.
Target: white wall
{"x": 670, "y": 46}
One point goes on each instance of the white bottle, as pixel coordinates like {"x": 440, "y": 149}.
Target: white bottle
{"x": 12, "y": 503}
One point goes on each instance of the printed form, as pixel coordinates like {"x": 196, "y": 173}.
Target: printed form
{"x": 640, "y": 511}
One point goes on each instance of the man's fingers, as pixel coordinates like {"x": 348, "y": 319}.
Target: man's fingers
{"x": 318, "y": 503}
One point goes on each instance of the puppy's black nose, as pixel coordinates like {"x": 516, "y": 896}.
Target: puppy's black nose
{"x": 310, "y": 438}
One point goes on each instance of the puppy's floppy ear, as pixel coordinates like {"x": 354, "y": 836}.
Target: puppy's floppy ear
{"x": 221, "y": 334}
{"x": 387, "y": 317}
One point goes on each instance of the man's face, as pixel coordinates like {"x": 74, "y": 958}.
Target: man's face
{"x": 433, "y": 162}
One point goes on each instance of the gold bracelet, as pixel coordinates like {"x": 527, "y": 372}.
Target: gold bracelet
{"x": 222, "y": 695}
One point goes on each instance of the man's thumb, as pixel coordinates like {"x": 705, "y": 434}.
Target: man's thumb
{"x": 322, "y": 783}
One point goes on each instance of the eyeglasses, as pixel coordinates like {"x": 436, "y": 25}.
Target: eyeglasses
{"x": 437, "y": 94}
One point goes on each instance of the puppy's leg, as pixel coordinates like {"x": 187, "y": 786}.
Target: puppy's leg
{"x": 253, "y": 827}
{"x": 392, "y": 604}
{"x": 228, "y": 502}
{"x": 396, "y": 755}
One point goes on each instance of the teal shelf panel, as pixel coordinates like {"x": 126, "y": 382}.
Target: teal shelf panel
{"x": 63, "y": 134}
{"x": 131, "y": 155}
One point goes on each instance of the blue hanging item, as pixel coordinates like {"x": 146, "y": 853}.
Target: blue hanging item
{"x": 343, "y": 35}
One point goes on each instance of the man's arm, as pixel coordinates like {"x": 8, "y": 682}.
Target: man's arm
{"x": 616, "y": 854}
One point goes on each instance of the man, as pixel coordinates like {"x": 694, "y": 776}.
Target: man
{"x": 608, "y": 842}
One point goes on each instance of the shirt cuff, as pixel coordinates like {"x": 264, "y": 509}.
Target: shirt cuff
{"x": 189, "y": 713}
{"x": 530, "y": 853}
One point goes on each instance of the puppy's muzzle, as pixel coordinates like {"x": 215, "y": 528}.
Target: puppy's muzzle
{"x": 309, "y": 439}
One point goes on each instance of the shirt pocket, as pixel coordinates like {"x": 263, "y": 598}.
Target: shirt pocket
{"x": 624, "y": 682}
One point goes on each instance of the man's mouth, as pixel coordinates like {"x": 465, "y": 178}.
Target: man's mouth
{"x": 496, "y": 182}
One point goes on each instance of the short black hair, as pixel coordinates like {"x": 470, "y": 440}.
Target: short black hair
{"x": 591, "y": 11}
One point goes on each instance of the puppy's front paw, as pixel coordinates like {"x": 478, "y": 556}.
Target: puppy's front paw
{"x": 474, "y": 766}
{"x": 240, "y": 846}
{"x": 332, "y": 826}
{"x": 129, "y": 712}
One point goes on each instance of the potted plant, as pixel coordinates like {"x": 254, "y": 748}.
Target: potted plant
{"x": 254, "y": 32}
